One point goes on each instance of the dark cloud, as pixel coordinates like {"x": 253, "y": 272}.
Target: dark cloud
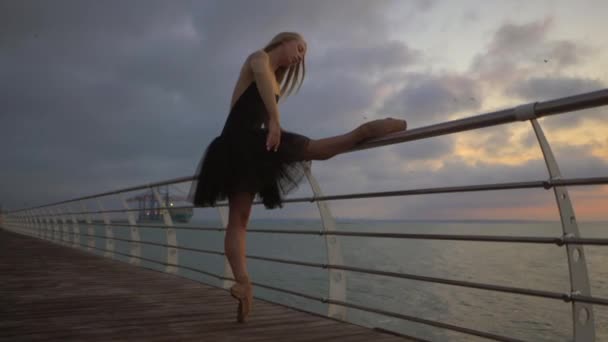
{"x": 578, "y": 161}
{"x": 566, "y": 53}
{"x": 377, "y": 57}
{"x": 339, "y": 105}
{"x": 512, "y": 38}
{"x": 470, "y": 16}
{"x": 517, "y": 51}
{"x": 511, "y": 45}
{"x": 96, "y": 96}
{"x": 548, "y": 88}
{"x": 429, "y": 98}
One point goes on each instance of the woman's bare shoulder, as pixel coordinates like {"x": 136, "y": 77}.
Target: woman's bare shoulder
{"x": 258, "y": 54}
{"x": 246, "y": 75}
{"x": 258, "y": 60}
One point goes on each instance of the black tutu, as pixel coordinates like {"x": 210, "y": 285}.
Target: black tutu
{"x": 237, "y": 160}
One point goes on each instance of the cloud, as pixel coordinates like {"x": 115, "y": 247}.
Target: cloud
{"x": 109, "y": 96}
{"x": 511, "y": 38}
{"x": 548, "y": 88}
{"x": 518, "y": 51}
{"x": 470, "y": 16}
{"x": 429, "y": 98}
{"x": 377, "y": 57}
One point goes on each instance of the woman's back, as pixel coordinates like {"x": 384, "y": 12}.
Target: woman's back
{"x": 247, "y": 112}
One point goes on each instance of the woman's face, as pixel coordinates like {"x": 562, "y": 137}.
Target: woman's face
{"x": 294, "y": 51}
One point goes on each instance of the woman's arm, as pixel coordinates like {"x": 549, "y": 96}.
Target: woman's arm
{"x": 265, "y": 80}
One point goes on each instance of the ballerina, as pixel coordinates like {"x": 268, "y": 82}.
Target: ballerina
{"x": 253, "y": 155}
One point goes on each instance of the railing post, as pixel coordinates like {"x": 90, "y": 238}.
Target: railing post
{"x": 35, "y": 225}
{"x": 26, "y": 223}
{"x": 582, "y": 313}
{"x": 90, "y": 227}
{"x": 65, "y": 236}
{"x": 337, "y": 278}
{"x": 51, "y": 224}
{"x": 223, "y": 212}
{"x": 75, "y": 228}
{"x": 19, "y": 225}
{"x": 55, "y": 226}
{"x": 45, "y": 224}
{"x": 30, "y": 223}
{"x": 109, "y": 253}
{"x": 135, "y": 250}
{"x": 12, "y": 222}
{"x": 36, "y": 220}
{"x": 25, "y": 226}
{"x": 170, "y": 234}
{"x": 39, "y": 218}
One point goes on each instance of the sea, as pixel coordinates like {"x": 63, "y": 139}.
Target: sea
{"x": 523, "y": 265}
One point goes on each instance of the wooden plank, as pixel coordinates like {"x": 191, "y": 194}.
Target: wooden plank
{"x": 53, "y": 292}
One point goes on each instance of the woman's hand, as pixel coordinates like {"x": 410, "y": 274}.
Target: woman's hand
{"x": 274, "y": 136}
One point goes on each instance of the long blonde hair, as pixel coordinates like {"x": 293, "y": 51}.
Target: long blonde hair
{"x": 293, "y": 72}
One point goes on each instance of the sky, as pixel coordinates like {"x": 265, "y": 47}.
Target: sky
{"x": 97, "y": 96}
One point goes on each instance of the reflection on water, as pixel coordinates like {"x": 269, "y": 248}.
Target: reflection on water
{"x": 536, "y": 266}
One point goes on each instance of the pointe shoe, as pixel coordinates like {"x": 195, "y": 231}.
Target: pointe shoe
{"x": 243, "y": 292}
{"x": 382, "y": 127}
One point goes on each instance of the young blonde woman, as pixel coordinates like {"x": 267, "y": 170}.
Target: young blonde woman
{"x": 253, "y": 155}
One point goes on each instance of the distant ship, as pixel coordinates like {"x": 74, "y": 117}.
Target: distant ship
{"x": 149, "y": 207}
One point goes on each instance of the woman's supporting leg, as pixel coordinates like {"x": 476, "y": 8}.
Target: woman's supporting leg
{"x": 235, "y": 246}
{"x": 239, "y": 205}
{"x": 322, "y": 149}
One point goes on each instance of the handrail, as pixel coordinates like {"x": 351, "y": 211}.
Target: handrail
{"x": 558, "y": 241}
{"x": 546, "y": 108}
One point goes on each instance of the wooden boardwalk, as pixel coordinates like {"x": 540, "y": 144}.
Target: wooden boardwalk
{"x": 52, "y": 292}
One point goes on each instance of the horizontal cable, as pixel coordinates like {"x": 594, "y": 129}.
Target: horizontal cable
{"x": 588, "y": 299}
{"x": 110, "y": 211}
{"x": 559, "y": 241}
{"x": 546, "y": 184}
{"x": 457, "y": 189}
{"x": 115, "y": 192}
{"x": 101, "y": 223}
{"x": 143, "y": 242}
{"x": 489, "y": 287}
{"x": 545, "y": 108}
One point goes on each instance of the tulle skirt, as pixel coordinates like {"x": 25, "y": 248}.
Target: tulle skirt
{"x": 239, "y": 162}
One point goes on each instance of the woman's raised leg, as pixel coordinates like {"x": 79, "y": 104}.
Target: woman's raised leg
{"x": 322, "y": 149}
{"x": 235, "y": 246}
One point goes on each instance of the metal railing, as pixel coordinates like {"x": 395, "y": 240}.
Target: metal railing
{"x": 43, "y": 221}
